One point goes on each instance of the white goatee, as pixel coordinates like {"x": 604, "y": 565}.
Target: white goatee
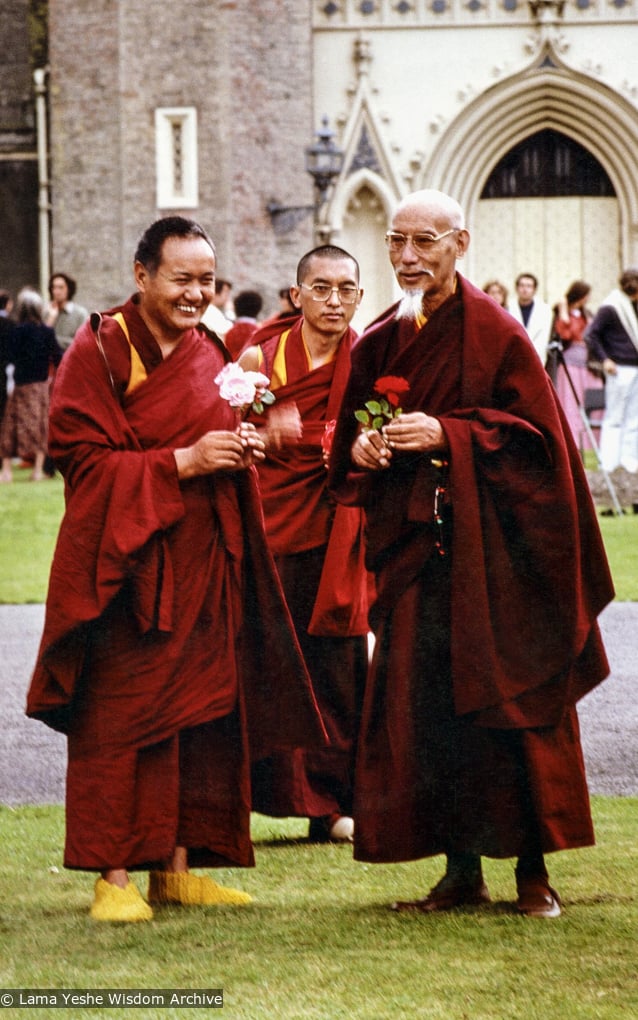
{"x": 411, "y": 305}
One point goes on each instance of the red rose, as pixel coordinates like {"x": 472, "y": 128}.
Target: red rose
{"x": 391, "y": 387}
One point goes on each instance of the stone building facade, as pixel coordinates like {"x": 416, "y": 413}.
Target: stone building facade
{"x": 525, "y": 110}
{"x": 22, "y": 46}
{"x": 139, "y": 76}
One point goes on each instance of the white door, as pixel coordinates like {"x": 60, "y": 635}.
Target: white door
{"x": 559, "y": 240}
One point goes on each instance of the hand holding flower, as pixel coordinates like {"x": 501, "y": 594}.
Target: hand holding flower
{"x": 244, "y": 390}
{"x": 217, "y": 450}
{"x": 222, "y": 450}
{"x": 416, "y": 432}
{"x": 255, "y": 447}
{"x": 370, "y": 452}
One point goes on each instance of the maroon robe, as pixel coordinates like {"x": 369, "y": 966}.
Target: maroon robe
{"x": 469, "y": 736}
{"x": 239, "y": 336}
{"x": 320, "y": 557}
{"x": 168, "y": 654}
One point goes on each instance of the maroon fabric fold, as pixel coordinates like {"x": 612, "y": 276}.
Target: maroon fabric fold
{"x": 469, "y": 736}
{"x": 299, "y": 513}
{"x": 346, "y": 588}
{"x": 529, "y": 572}
{"x": 145, "y": 604}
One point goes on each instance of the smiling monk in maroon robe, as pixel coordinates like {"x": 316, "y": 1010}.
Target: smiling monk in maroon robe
{"x": 168, "y": 655}
{"x": 490, "y": 573}
{"x": 318, "y": 547}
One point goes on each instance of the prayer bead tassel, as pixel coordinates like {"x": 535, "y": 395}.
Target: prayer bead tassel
{"x": 439, "y": 495}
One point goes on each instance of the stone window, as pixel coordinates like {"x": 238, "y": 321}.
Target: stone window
{"x": 176, "y": 157}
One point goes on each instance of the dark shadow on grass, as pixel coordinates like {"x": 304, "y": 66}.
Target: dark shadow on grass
{"x": 602, "y": 899}
{"x": 285, "y": 841}
{"x": 281, "y": 841}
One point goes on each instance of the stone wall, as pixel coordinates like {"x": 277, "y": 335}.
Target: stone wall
{"x": 18, "y": 170}
{"x": 245, "y": 67}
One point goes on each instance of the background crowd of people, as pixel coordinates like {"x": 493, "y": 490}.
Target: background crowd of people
{"x": 33, "y": 338}
{"x": 592, "y": 359}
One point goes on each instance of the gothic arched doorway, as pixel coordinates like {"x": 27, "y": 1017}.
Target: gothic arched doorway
{"x": 360, "y": 222}
{"x": 548, "y": 207}
{"x": 559, "y": 237}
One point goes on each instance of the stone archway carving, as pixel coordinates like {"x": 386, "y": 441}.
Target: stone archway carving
{"x": 347, "y": 192}
{"x": 547, "y": 95}
{"x": 359, "y": 216}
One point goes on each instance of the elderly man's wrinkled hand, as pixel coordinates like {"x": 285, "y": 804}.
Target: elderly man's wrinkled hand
{"x": 370, "y": 451}
{"x": 415, "y": 432}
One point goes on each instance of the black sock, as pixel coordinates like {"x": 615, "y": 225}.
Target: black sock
{"x": 463, "y": 867}
{"x": 531, "y": 866}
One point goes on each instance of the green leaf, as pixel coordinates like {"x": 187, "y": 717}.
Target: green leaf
{"x": 268, "y": 398}
{"x": 362, "y": 416}
{"x": 374, "y": 406}
{"x": 377, "y": 422}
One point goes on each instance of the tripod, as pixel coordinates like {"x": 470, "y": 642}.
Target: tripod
{"x": 555, "y": 358}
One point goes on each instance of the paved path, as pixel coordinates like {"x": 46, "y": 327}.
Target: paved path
{"x": 33, "y": 757}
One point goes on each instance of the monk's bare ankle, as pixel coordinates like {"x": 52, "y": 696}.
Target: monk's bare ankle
{"x": 178, "y": 862}
{"x": 116, "y": 876}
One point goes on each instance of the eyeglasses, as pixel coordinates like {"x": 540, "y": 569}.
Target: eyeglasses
{"x": 347, "y": 292}
{"x": 422, "y": 243}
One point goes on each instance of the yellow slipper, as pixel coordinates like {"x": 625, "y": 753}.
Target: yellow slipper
{"x": 111, "y": 903}
{"x": 191, "y": 890}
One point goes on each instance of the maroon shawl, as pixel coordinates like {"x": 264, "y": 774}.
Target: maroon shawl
{"x": 299, "y": 513}
{"x": 529, "y": 573}
{"x": 187, "y": 556}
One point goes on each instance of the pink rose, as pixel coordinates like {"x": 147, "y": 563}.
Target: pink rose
{"x": 259, "y": 381}
{"x": 236, "y": 386}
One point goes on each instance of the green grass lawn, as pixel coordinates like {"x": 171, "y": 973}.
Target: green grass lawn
{"x": 319, "y": 940}
{"x": 620, "y": 535}
{"x": 30, "y": 514}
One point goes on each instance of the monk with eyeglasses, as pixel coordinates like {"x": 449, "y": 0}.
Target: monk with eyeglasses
{"x": 490, "y": 574}
{"x": 318, "y": 546}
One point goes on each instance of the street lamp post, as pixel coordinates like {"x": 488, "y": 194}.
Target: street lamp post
{"x": 323, "y": 160}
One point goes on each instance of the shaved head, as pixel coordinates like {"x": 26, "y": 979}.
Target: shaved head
{"x": 427, "y": 236}
{"x": 436, "y": 202}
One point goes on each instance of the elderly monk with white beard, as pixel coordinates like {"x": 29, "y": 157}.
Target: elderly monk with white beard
{"x": 490, "y": 574}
